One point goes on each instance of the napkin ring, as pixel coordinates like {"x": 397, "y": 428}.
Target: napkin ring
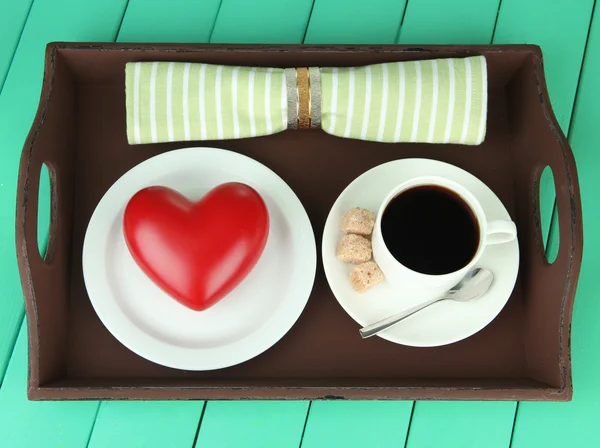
{"x": 303, "y": 97}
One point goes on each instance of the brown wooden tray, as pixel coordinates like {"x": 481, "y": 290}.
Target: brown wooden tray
{"x": 79, "y": 131}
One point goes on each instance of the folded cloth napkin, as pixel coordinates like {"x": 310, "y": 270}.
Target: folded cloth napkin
{"x": 432, "y": 101}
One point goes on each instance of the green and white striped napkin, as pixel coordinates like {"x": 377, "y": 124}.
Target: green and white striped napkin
{"x": 429, "y": 101}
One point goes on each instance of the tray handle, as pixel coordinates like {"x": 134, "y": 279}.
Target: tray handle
{"x": 31, "y": 221}
{"x": 566, "y": 185}
{"x": 548, "y": 288}
{"x": 568, "y": 205}
{"x": 40, "y": 149}
{"x": 45, "y": 281}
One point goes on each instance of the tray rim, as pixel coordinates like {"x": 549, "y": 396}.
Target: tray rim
{"x": 37, "y": 391}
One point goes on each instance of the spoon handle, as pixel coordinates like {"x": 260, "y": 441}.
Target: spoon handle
{"x": 377, "y": 327}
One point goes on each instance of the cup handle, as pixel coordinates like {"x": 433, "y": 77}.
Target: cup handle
{"x": 499, "y": 232}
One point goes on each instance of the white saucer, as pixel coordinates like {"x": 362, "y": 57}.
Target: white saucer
{"x": 444, "y": 322}
{"x": 248, "y": 321}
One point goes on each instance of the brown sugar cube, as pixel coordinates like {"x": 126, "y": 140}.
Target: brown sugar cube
{"x": 365, "y": 276}
{"x": 354, "y": 249}
{"x": 358, "y": 220}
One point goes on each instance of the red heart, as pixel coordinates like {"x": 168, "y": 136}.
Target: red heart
{"x": 197, "y": 252}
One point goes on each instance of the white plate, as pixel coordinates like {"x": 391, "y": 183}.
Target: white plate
{"x": 444, "y": 322}
{"x": 243, "y": 324}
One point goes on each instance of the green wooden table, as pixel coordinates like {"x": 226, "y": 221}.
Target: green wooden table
{"x": 568, "y": 32}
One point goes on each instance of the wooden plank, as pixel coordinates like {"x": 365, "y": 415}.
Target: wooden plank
{"x": 441, "y": 21}
{"x": 518, "y": 22}
{"x": 48, "y": 21}
{"x": 576, "y": 423}
{"x": 29, "y": 424}
{"x": 262, "y": 424}
{"x": 12, "y": 20}
{"x": 357, "y": 424}
{"x": 355, "y": 21}
{"x": 462, "y": 424}
{"x": 466, "y": 21}
{"x": 537, "y": 22}
{"x": 262, "y": 21}
{"x": 256, "y": 423}
{"x": 173, "y": 21}
{"x": 155, "y": 424}
{"x": 24, "y": 423}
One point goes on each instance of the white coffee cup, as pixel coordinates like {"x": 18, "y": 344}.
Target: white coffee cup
{"x": 428, "y": 285}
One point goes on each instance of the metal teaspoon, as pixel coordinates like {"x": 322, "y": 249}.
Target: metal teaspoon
{"x": 473, "y": 285}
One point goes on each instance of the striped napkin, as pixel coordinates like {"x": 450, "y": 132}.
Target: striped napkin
{"x": 430, "y": 101}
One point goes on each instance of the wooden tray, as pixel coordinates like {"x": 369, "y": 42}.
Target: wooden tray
{"x": 79, "y": 132}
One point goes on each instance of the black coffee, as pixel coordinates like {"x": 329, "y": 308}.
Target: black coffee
{"x": 430, "y": 230}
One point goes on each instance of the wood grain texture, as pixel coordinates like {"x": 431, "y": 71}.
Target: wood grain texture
{"x": 576, "y": 423}
{"x": 264, "y": 424}
{"x": 262, "y": 21}
{"x": 354, "y": 21}
{"x": 462, "y": 424}
{"x": 139, "y": 424}
{"x": 27, "y": 424}
{"x": 173, "y": 21}
{"x": 12, "y": 20}
{"x": 441, "y": 21}
{"x": 357, "y": 424}
{"x": 48, "y": 21}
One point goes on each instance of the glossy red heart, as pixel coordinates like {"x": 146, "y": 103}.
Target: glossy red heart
{"x": 197, "y": 252}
